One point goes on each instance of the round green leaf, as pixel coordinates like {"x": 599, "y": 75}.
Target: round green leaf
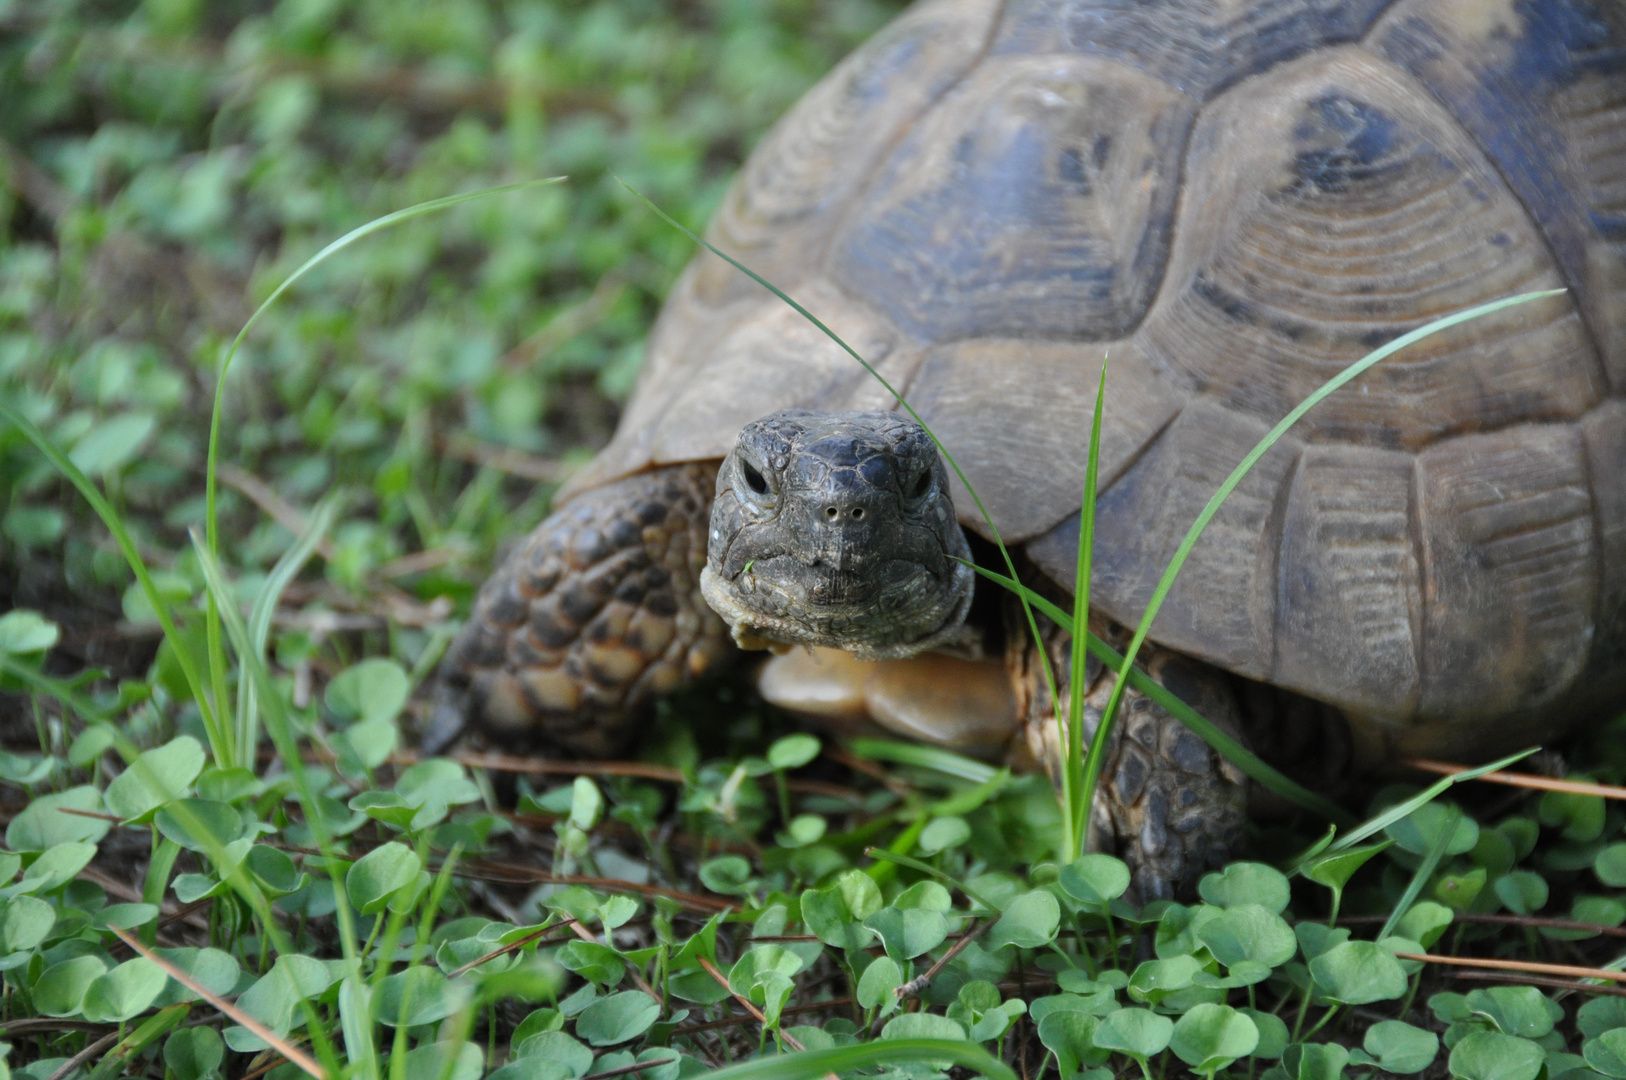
{"x": 1359, "y": 972}
{"x": 194, "y": 1053}
{"x": 1424, "y": 922}
{"x": 1601, "y": 1014}
{"x": 1029, "y": 921}
{"x": 923, "y": 1025}
{"x": 909, "y": 932}
{"x": 124, "y": 992}
{"x": 60, "y": 989}
{"x": 1249, "y": 932}
{"x": 1314, "y": 1061}
{"x": 617, "y": 1018}
{"x": 877, "y": 988}
{"x": 591, "y": 960}
{"x": 1247, "y": 883}
{"x": 1070, "y": 1035}
{"x": 125, "y": 916}
{"x": 726, "y": 874}
{"x": 1488, "y": 1055}
{"x": 1209, "y": 1037}
{"x": 369, "y": 743}
{"x": 1521, "y": 891}
{"x": 944, "y": 834}
{"x": 373, "y": 690}
{"x": 1582, "y": 817}
{"x": 802, "y": 830}
{"x": 1515, "y": 1010}
{"x": 418, "y": 995}
{"x": 26, "y": 633}
{"x": 1140, "y": 1033}
{"x": 42, "y": 824}
{"x": 1273, "y": 1037}
{"x": 1095, "y": 879}
{"x": 555, "y": 1045}
{"x": 1401, "y": 1048}
{"x": 377, "y": 875}
{"x": 156, "y": 778}
{"x": 212, "y": 969}
{"x": 59, "y": 865}
{"x": 467, "y": 1062}
{"x": 1607, "y": 1052}
{"x": 202, "y": 825}
{"x": 1610, "y": 866}
{"x": 24, "y": 922}
{"x": 793, "y": 751}
{"x": 1154, "y": 980}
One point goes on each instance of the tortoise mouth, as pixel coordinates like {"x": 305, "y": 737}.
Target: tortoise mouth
{"x": 901, "y": 610}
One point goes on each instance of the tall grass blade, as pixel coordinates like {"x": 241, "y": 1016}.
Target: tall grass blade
{"x": 922, "y": 756}
{"x": 279, "y": 727}
{"x": 1425, "y": 870}
{"x": 842, "y": 1060}
{"x": 1254, "y": 767}
{"x": 217, "y": 661}
{"x": 219, "y": 736}
{"x": 1246, "y": 465}
{"x": 1428, "y": 795}
{"x": 1076, "y": 835}
{"x": 259, "y": 621}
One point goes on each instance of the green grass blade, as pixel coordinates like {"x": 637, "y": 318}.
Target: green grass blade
{"x": 265, "y": 607}
{"x": 1077, "y": 794}
{"x": 280, "y": 729}
{"x": 1428, "y": 795}
{"x": 993, "y": 530}
{"x": 922, "y": 756}
{"x": 1425, "y": 870}
{"x": 1234, "y": 752}
{"x": 1252, "y": 458}
{"x": 216, "y": 650}
{"x": 810, "y": 1064}
{"x": 219, "y": 736}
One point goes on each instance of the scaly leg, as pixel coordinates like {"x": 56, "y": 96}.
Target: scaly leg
{"x": 1169, "y": 805}
{"x": 593, "y": 618}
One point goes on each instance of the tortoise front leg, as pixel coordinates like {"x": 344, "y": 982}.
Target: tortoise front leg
{"x": 1169, "y": 805}
{"x": 595, "y": 616}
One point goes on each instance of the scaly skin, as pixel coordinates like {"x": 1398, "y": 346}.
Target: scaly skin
{"x": 1168, "y": 803}
{"x": 598, "y": 614}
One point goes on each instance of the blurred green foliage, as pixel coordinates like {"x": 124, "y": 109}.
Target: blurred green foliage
{"x": 165, "y": 163}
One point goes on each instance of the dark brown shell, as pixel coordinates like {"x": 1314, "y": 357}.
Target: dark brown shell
{"x": 1233, "y": 199}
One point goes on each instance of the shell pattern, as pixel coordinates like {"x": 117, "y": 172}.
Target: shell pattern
{"x": 1232, "y": 200}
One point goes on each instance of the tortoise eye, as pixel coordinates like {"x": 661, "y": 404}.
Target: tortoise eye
{"x": 923, "y": 484}
{"x": 753, "y": 479}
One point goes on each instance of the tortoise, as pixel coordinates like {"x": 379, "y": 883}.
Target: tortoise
{"x": 1231, "y": 199}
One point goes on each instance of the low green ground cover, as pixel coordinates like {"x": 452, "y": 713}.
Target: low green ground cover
{"x": 182, "y": 896}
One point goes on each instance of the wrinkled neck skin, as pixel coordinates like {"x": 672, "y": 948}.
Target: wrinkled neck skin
{"x": 837, "y": 529}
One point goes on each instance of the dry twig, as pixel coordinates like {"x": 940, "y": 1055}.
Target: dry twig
{"x": 1518, "y": 965}
{"x": 1524, "y": 780}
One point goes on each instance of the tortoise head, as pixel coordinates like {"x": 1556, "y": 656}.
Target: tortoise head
{"x": 837, "y": 529}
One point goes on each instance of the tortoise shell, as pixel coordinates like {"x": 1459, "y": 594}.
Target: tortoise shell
{"x": 1233, "y": 200}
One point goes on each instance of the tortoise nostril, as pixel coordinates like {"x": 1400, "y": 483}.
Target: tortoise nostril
{"x": 831, "y": 512}
{"x": 858, "y": 512}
